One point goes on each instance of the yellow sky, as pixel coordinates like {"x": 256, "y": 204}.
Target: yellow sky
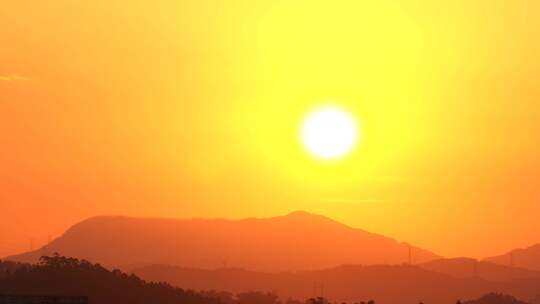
{"x": 192, "y": 108}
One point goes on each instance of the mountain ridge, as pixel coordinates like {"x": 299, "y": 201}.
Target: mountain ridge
{"x": 467, "y": 267}
{"x": 296, "y": 241}
{"x": 346, "y": 283}
{"x": 528, "y": 257}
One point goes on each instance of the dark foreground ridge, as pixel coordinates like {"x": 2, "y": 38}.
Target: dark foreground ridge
{"x": 57, "y": 275}
{"x": 25, "y": 299}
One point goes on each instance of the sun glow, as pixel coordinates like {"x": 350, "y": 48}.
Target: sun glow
{"x": 329, "y": 132}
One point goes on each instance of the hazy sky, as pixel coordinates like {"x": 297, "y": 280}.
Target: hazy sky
{"x": 192, "y": 108}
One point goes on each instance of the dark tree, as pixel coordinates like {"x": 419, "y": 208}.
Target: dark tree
{"x": 317, "y": 300}
{"x": 58, "y": 275}
{"x": 495, "y": 298}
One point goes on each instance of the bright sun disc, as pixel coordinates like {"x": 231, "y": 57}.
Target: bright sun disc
{"x": 329, "y": 132}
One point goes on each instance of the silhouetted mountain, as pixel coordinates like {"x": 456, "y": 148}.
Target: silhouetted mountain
{"x": 298, "y": 241}
{"x": 526, "y": 258}
{"x": 495, "y": 298}
{"x": 386, "y": 284}
{"x": 467, "y": 267}
{"x": 70, "y": 277}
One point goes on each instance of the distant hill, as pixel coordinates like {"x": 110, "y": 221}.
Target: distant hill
{"x": 297, "y": 241}
{"x": 398, "y": 284}
{"x": 71, "y": 277}
{"x": 467, "y": 267}
{"x": 526, "y": 258}
{"x": 494, "y": 298}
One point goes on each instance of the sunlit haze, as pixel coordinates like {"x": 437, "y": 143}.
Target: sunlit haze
{"x": 193, "y": 109}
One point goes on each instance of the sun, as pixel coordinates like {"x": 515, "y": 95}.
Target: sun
{"x": 329, "y": 132}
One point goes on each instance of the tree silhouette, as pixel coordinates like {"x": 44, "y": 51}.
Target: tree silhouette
{"x": 317, "y": 300}
{"x": 495, "y": 298}
{"x": 58, "y": 275}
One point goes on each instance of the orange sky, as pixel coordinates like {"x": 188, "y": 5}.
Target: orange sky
{"x": 192, "y": 108}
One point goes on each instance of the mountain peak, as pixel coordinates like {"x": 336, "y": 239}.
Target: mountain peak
{"x": 299, "y": 213}
{"x": 305, "y": 217}
{"x": 302, "y": 214}
{"x": 288, "y": 242}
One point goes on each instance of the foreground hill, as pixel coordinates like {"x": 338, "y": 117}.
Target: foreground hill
{"x": 71, "y": 277}
{"x": 467, "y": 267}
{"x": 386, "y": 284}
{"x": 523, "y": 257}
{"x": 297, "y": 241}
{"x": 59, "y": 275}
